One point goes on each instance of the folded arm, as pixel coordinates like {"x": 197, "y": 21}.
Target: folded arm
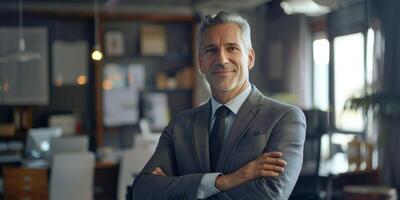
{"x": 152, "y": 186}
{"x": 288, "y": 137}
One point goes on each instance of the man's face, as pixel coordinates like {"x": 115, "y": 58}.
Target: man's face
{"x": 223, "y": 58}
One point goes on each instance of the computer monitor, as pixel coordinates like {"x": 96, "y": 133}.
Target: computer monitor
{"x": 37, "y": 143}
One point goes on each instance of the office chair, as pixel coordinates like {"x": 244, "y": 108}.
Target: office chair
{"x": 72, "y": 176}
{"x": 132, "y": 162}
{"x": 67, "y": 144}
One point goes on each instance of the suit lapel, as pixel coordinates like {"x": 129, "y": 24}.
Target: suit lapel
{"x": 200, "y": 137}
{"x": 246, "y": 114}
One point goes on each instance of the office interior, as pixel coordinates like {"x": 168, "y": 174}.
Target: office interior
{"x": 86, "y": 87}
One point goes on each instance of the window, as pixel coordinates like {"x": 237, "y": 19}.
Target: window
{"x": 349, "y": 79}
{"x": 350, "y": 75}
{"x": 370, "y": 53}
{"x": 321, "y": 74}
{"x": 351, "y": 72}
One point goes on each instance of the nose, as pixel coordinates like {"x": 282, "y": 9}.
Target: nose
{"x": 222, "y": 58}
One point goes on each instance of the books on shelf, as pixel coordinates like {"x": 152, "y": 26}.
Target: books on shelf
{"x": 11, "y": 151}
{"x": 153, "y": 40}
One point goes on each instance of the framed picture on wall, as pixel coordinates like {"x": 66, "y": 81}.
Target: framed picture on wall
{"x": 114, "y": 41}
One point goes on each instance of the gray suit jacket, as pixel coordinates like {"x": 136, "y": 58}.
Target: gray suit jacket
{"x": 262, "y": 125}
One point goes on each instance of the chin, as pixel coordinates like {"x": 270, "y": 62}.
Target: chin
{"x": 224, "y": 89}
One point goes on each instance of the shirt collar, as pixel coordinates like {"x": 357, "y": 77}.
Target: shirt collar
{"x": 234, "y": 104}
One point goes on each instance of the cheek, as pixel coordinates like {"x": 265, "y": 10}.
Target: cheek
{"x": 204, "y": 66}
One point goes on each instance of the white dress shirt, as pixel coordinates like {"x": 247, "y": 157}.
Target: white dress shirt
{"x": 207, "y": 185}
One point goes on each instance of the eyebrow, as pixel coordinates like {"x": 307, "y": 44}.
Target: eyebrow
{"x": 232, "y": 44}
{"x": 226, "y": 45}
{"x": 209, "y": 46}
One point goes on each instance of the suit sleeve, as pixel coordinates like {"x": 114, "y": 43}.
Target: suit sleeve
{"x": 288, "y": 137}
{"x": 148, "y": 186}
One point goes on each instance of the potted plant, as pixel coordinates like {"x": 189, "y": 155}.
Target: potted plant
{"x": 384, "y": 105}
{"x": 386, "y": 110}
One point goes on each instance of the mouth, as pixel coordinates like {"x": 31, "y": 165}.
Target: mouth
{"x": 222, "y": 72}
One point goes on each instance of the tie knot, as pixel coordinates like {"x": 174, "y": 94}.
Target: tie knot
{"x": 222, "y": 111}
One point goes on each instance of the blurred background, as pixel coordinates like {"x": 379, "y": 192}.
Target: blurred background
{"x": 86, "y": 87}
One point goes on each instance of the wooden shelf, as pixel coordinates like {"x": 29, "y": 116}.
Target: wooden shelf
{"x": 174, "y": 56}
{"x": 179, "y": 38}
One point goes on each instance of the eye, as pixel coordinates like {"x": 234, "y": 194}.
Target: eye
{"x": 210, "y": 50}
{"x": 233, "y": 49}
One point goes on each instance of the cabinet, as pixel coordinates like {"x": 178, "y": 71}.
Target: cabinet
{"x": 147, "y": 72}
{"x": 25, "y": 183}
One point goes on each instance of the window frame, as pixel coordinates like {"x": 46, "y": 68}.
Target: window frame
{"x": 331, "y": 75}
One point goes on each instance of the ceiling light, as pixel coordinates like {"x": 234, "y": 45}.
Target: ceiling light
{"x": 97, "y": 55}
{"x": 21, "y": 55}
{"x": 307, "y": 7}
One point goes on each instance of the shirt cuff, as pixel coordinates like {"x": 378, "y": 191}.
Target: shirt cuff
{"x": 207, "y": 186}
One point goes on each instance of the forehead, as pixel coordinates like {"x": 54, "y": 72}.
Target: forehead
{"x": 225, "y": 33}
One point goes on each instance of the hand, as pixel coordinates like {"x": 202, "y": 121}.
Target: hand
{"x": 266, "y": 165}
{"x": 158, "y": 172}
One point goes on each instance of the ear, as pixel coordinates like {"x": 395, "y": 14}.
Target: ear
{"x": 200, "y": 60}
{"x": 251, "y": 58}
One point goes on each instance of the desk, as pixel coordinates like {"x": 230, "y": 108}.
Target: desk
{"x": 32, "y": 183}
{"x": 336, "y": 183}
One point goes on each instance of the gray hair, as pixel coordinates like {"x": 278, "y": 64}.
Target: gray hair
{"x": 225, "y": 17}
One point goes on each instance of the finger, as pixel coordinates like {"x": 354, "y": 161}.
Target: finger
{"x": 266, "y": 157}
{"x": 269, "y": 167}
{"x": 268, "y": 173}
{"x": 272, "y": 161}
{"x": 154, "y": 172}
{"x": 273, "y": 154}
{"x": 160, "y": 171}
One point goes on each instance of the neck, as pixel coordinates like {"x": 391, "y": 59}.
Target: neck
{"x": 225, "y": 96}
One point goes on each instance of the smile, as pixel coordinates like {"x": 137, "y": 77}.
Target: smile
{"x": 222, "y": 72}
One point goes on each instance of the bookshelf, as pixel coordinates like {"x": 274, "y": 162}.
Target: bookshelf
{"x": 148, "y": 68}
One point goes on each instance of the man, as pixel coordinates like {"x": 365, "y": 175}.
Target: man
{"x": 238, "y": 145}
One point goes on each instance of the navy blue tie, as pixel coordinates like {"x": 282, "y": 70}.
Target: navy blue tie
{"x": 217, "y": 135}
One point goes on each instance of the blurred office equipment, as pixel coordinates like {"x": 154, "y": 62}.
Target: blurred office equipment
{"x": 132, "y": 162}
{"x": 72, "y": 176}
{"x": 67, "y": 122}
{"x": 37, "y": 143}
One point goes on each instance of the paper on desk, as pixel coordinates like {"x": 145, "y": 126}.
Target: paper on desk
{"x": 120, "y": 106}
{"x": 136, "y": 76}
{"x": 156, "y": 109}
